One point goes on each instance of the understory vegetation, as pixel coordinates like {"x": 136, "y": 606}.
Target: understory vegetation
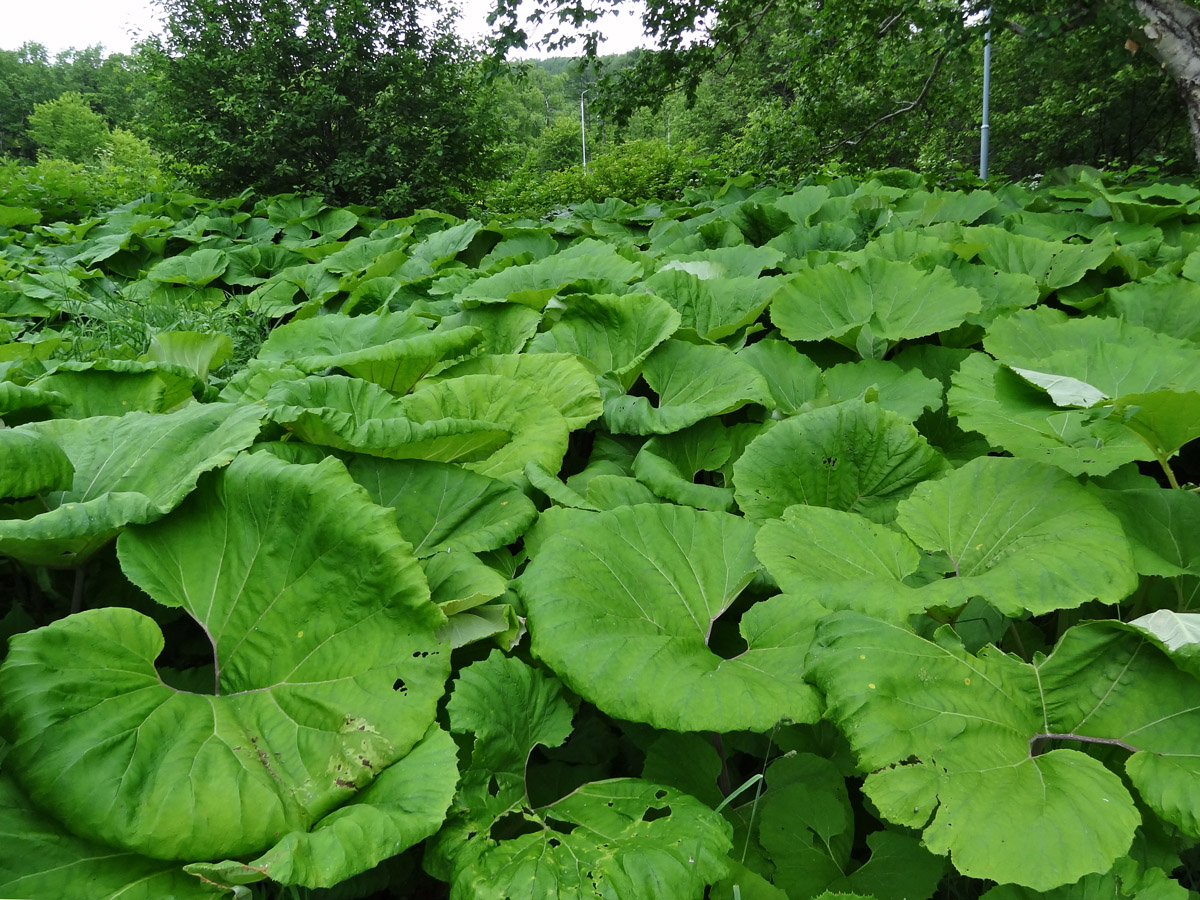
{"x": 840, "y": 540}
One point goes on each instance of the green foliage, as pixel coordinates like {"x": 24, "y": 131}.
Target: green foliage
{"x": 635, "y": 171}
{"x": 360, "y": 102}
{"x": 790, "y": 544}
{"x": 66, "y": 128}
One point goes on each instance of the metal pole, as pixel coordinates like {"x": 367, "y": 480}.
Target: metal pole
{"x": 583, "y": 128}
{"x": 987, "y": 90}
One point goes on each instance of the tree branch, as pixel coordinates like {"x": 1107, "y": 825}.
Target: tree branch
{"x": 903, "y": 108}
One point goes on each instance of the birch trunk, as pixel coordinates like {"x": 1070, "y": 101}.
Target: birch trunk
{"x": 1172, "y": 30}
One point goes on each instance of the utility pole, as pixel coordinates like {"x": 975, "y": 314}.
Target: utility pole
{"x": 987, "y": 89}
{"x": 583, "y": 127}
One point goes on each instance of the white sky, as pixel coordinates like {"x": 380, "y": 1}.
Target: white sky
{"x": 59, "y": 24}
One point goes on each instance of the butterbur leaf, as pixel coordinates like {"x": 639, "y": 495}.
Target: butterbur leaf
{"x": 1163, "y": 528}
{"x": 563, "y": 379}
{"x": 895, "y": 300}
{"x": 128, "y": 469}
{"x": 1165, "y": 420}
{"x": 854, "y": 456}
{"x": 907, "y": 394}
{"x": 442, "y": 507}
{"x": 400, "y": 808}
{"x": 1111, "y": 355}
{"x": 610, "y": 839}
{"x": 510, "y": 708}
{"x": 327, "y": 667}
{"x": 459, "y": 581}
{"x": 353, "y": 414}
{"x": 713, "y": 308}
{"x": 622, "y": 604}
{"x": 1177, "y": 634}
{"x": 392, "y": 350}
{"x": 114, "y": 387}
{"x": 978, "y": 731}
{"x": 1018, "y": 417}
{"x": 196, "y": 351}
{"x": 614, "y": 333}
{"x": 692, "y": 383}
{"x": 31, "y": 464}
{"x": 42, "y": 859}
{"x": 842, "y": 561}
{"x": 794, "y": 380}
{"x": 1023, "y": 535}
{"x": 539, "y": 431}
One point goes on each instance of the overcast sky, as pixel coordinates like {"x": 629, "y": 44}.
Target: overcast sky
{"x": 59, "y": 24}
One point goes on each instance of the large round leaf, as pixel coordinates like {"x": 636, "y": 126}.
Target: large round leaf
{"x": 952, "y": 734}
{"x": 564, "y": 379}
{"x": 692, "y": 383}
{"x": 1024, "y": 535}
{"x": 539, "y": 431}
{"x": 393, "y": 351}
{"x": 353, "y": 414}
{"x": 615, "y": 333}
{"x": 128, "y": 469}
{"x": 442, "y": 507}
{"x": 854, "y": 456}
{"x": 403, "y": 806}
{"x": 1015, "y": 416}
{"x": 622, "y": 604}
{"x": 895, "y": 300}
{"x": 42, "y": 859}
{"x": 327, "y": 671}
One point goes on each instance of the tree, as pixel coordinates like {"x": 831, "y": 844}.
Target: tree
{"x": 66, "y": 128}
{"x": 357, "y": 100}
{"x": 695, "y": 37}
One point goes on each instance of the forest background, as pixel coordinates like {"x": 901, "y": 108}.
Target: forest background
{"x": 379, "y": 103}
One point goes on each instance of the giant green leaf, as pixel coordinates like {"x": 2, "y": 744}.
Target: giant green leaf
{"x": 853, "y": 456}
{"x": 32, "y": 464}
{"x": 1018, "y": 417}
{"x": 441, "y": 507}
{"x": 327, "y": 672}
{"x": 1168, "y": 306}
{"x": 352, "y": 414}
{"x": 565, "y": 380}
{"x": 196, "y": 269}
{"x": 196, "y": 351}
{"x": 622, "y": 604}
{"x": 533, "y": 284}
{"x": 842, "y": 561}
{"x": 713, "y": 308}
{"x": 908, "y": 394}
{"x": 1163, "y": 528}
{"x": 615, "y": 333}
{"x": 42, "y": 859}
{"x": 539, "y": 431}
{"x": 895, "y": 300}
{"x": 794, "y": 379}
{"x": 1052, "y": 264}
{"x": 128, "y": 469}
{"x": 608, "y": 839}
{"x": 392, "y": 350}
{"x": 1022, "y": 534}
{"x": 969, "y": 735}
{"x": 404, "y": 805}
{"x": 113, "y": 387}
{"x": 1112, "y": 355}
{"x": 692, "y": 383}
{"x": 669, "y": 464}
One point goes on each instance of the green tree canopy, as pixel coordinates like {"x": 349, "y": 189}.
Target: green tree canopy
{"x": 66, "y": 128}
{"x": 359, "y": 100}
